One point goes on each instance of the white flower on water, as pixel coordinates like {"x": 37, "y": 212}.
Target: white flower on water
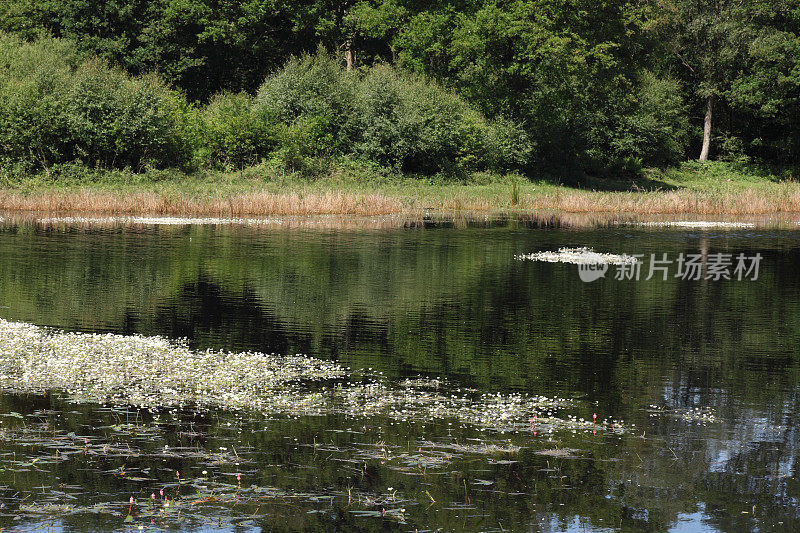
{"x": 155, "y": 372}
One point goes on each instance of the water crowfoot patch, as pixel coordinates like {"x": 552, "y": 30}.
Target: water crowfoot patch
{"x": 145, "y": 370}
{"x": 695, "y": 414}
{"x": 698, "y": 224}
{"x": 578, "y": 256}
{"x": 233, "y": 425}
{"x": 157, "y": 372}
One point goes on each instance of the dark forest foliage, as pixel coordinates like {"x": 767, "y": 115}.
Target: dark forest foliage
{"x": 602, "y": 86}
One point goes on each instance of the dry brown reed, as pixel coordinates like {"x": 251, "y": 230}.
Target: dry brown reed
{"x": 257, "y": 203}
{"x": 332, "y": 202}
{"x": 741, "y": 202}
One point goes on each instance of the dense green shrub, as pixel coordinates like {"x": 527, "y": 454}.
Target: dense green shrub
{"x": 119, "y": 121}
{"x": 657, "y": 131}
{"x": 305, "y": 145}
{"x": 411, "y": 124}
{"x": 312, "y": 96}
{"x": 397, "y": 120}
{"x": 235, "y": 136}
{"x": 33, "y": 119}
{"x": 56, "y": 107}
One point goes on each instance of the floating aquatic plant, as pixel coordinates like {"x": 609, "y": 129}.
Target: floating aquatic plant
{"x": 157, "y": 372}
{"x": 699, "y": 224}
{"x": 146, "y": 370}
{"x": 158, "y": 221}
{"x": 690, "y": 414}
{"x": 227, "y": 479}
{"x": 579, "y": 256}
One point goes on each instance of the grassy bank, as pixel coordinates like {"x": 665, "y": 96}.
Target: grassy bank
{"x": 710, "y": 189}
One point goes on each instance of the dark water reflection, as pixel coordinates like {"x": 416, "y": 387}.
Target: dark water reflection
{"x": 452, "y": 302}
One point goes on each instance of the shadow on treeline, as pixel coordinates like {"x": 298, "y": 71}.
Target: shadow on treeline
{"x": 689, "y": 174}
{"x": 620, "y": 182}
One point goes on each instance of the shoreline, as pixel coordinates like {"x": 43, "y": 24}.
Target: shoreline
{"x": 709, "y": 191}
{"x": 455, "y": 199}
{"x": 546, "y": 219}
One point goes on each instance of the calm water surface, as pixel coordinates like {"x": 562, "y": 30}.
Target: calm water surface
{"x": 444, "y": 301}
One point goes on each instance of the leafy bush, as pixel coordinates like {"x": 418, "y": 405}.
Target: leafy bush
{"x": 33, "y": 119}
{"x": 305, "y": 145}
{"x": 311, "y": 94}
{"x": 118, "y": 121}
{"x": 236, "y": 137}
{"x": 413, "y": 125}
{"x": 732, "y": 149}
{"x": 409, "y": 123}
{"x": 56, "y": 107}
{"x": 657, "y": 131}
{"x": 509, "y": 147}
{"x": 396, "y": 120}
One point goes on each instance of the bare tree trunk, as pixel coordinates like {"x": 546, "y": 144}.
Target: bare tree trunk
{"x": 349, "y": 54}
{"x": 707, "y": 129}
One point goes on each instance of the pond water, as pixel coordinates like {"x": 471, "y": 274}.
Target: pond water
{"x": 703, "y": 377}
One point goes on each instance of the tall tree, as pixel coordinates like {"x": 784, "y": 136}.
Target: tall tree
{"x": 767, "y": 91}
{"x": 566, "y": 69}
{"x": 708, "y": 38}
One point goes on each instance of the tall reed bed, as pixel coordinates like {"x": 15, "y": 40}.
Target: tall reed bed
{"x": 326, "y": 200}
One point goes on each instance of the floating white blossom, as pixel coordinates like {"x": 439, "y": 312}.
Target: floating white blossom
{"x": 699, "y": 224}
{"x": 157, "y": 372}
{"x": 578, "y": 256}
{"x": 158, "y": 221}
